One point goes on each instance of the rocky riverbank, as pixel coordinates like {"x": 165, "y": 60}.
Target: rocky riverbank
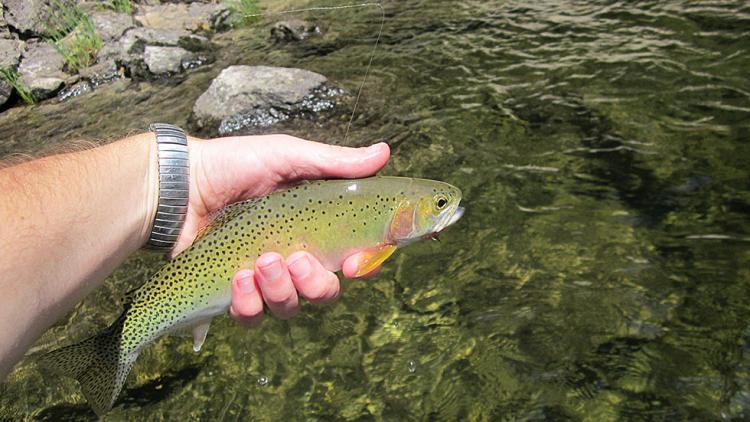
{"x": 39, "y": 41}
{"x": 150, "y": 42}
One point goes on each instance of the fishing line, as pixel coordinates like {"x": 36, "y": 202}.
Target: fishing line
{"x": 374, "y": 47}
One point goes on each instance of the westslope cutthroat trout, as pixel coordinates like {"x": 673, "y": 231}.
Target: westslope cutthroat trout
{"x": 331, "y": 219}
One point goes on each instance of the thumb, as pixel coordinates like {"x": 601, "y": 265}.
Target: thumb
{"x": 294, "y": 159}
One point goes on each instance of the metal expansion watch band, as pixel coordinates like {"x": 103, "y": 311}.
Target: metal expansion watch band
{"x": 174, "y": 183}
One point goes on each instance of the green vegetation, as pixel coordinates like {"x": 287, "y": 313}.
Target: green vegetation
{"x": 73, "y": 33}
{"x": 10, "y": 76}
{"x": 121, "y": 6}
{"x": 244, "y": 12}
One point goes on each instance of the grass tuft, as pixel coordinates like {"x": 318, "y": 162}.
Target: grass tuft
{"x": 73, "y": 33}
{"x": 121, "y": 6}
{"x": 243, "y": 11}
{"x": 10, "y": 76}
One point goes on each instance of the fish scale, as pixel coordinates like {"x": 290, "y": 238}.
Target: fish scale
{"x": 331, "y": 219}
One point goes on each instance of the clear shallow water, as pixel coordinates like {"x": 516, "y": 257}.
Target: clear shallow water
{"x": 601, "y": 270}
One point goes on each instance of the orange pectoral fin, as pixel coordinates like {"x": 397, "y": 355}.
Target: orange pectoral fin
{"x": 373, "y": 258}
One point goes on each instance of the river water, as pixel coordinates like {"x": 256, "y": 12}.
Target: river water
{"x": 600, "y": 272}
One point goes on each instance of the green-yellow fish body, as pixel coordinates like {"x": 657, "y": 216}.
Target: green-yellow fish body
{"x": 331, "y": 219}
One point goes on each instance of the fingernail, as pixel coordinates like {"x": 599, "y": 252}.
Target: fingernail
{"x": 246, "y": 285}
{"x": 301, "y": 267}
{"x": 376, "y": 147}
{"x": 272, "y": 270}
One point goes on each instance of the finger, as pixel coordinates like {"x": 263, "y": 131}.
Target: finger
{"x": 351, "y": 266}
{"x": 296, "y": 159}
{"x": 247, "y": 303}
{"x": 311, "y": 279}
{"x": 276, "y": 285}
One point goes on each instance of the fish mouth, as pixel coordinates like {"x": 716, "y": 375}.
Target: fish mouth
{"x": 455, "y": 216}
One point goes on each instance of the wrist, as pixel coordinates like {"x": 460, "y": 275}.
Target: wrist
{"x": 143, "y": 149}
{"x": 151, "y": 187}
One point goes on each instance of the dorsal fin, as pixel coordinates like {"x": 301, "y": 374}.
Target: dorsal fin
{"x": 225, "y": 214}
{"x": 129, "y": 297}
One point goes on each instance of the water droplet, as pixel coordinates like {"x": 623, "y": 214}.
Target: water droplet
{"x": 263, "y": 381}
{"x": 412, "y": 366}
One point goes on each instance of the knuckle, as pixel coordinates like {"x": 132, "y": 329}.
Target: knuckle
{"x": 282, "y": 299}
{"x": 247, "y": 310}
{"x": 251, "y": 318}
{"x": 325, "y": 289}
{"x": 317, "y": 294}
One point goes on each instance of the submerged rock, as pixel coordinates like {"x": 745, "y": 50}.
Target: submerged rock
{"x": 90, "y": 78}
{"x": 293, "y": 30}
{"x": 242, "y": 97}
{"x": 79, "y": 88}
{"x": 103, "y": 72}
{"x": 192, "y": 17}
{"x": 41, "y": 69}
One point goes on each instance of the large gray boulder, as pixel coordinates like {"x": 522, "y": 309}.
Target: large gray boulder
{"x": 193, "y": 17}
{"x": 111, "y": 25}
{"x": 164, "y": 61}
{"x": 41, "y": 69}
{"x": 135, "y": 40}
{"x": 243, "y": 97}
{"x": 130, "y": 49}
{"x": 10, "y": 54}
{"x": 4, "y": 31}
{"x": 5, "y": 91}
{"x": 28, "y": 17}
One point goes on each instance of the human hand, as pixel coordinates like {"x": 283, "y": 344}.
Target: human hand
{"x": 280, "y": 282}
{"x": 227, "y": 170}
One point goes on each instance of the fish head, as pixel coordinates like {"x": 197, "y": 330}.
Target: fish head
{"x": 426, "y": 208}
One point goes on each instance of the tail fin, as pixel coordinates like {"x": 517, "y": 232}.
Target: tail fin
{"x": 97, "y": 364}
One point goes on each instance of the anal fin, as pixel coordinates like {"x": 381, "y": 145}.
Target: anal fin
{"x": 200, "y": 331}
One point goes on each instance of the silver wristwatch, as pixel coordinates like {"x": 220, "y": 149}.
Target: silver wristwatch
{"x": 174, "y": 184}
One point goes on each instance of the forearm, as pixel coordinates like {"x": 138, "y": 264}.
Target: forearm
{"x": 68, "y": 221}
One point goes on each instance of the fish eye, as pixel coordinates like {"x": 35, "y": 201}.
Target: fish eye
{"x": 441, "y": 201}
